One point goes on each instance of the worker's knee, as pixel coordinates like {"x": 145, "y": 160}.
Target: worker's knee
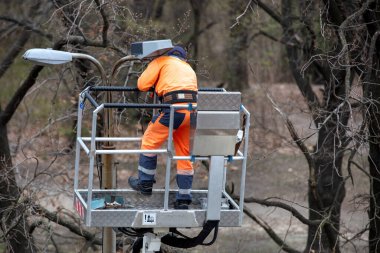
{"x": 184, "y": 182}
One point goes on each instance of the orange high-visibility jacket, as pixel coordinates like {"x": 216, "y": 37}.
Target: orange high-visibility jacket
{"x": 167, "y": 73}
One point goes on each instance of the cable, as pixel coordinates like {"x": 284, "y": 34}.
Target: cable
{"x": 175, "y": 231}
{"x": 135, "y": 232}
{"x": 214, "y": 237}
{"x": 186, "y": 243}
{"x": 137, "y": 245}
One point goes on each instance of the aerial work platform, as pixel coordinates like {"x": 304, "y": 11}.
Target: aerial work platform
{"x": 141, "y": 211}
{"x": 218, "y": 122}
{"x": 222, "y": 124}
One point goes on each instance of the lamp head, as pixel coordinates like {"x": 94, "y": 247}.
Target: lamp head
{"x": 41, "y": 56}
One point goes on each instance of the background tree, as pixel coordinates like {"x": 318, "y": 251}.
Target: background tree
{"x": 338, "y": 61}
{"x": 371, "y": 93}
{"x": 14, "y": 203}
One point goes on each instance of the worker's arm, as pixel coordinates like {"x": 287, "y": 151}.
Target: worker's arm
{"x": 149, "y": 77}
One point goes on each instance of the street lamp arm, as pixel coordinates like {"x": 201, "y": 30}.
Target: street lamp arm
{"x": 118, "y": 64}
{"x": 95, "y": 62}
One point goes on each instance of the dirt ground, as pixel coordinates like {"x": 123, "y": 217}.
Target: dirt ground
{"x": 275, "y": 169}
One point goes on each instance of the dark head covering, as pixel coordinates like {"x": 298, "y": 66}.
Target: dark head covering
{"x": 178, "y": 51}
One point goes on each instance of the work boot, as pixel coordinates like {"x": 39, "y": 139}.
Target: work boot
{"x": 182, "y": 204}
{"x": 144, "y": 187}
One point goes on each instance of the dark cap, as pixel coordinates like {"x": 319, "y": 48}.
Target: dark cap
{"x": 178, "y": 51}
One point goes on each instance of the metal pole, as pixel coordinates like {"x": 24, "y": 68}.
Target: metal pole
{"x": 169, "y": 159}
{"x": 108, "y": 173}
{"x": 108, "y": 182}
{"x": 215, "y": 187}
{"x": 244, "y": 164}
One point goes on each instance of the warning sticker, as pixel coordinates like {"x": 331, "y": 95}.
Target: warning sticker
{"x": 149, "y": 219}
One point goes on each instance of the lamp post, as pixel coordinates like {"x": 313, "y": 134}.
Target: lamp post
{"x": 41, "y": 56}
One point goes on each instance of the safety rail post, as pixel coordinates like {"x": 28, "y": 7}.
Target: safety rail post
{"x": 225, "y": 174}
{"x": 92, "y": 163}
{"x": 169, "y": 158}
{"x": 79, "y": 134}
{"x": 244, "y": 163}
{"x": 155, "y": 100}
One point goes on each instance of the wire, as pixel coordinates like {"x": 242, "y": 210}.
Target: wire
{"x": 188, "y": 242}
{"x": 135, "y": 232}
{"x": 175, "y": 231}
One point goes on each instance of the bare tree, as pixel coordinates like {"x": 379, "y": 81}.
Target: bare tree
{"x": 15, "y": 206}
{"x": 349, "y": 55}
{"x": 372, "y": 99}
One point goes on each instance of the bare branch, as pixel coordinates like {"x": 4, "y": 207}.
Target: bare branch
{"x": 27, "y": 26}
{"x": 297, "y": 140}
{"x": 371, "y": 53}
{"x": 284, "y": 206}
{"x": 344, "y": 52}
{"x": 269, "y": 11}
{"x": 75, "y": 228}
{"x": 14, "y": 51}
{"x": 264, "y": 7}
{"x": 15, "y": 101}
{"x": 294, "y": 58}
{"x": 270, "y": 232}
{"x": 241, "y": 15}
{"x": 48, "y": 125}
{"x": 105, "y": 22}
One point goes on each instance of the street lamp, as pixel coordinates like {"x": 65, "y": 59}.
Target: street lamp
{"x": 41, "y": 56}
{"x": 47, "y": 56}
{"x": 139, "y": 51}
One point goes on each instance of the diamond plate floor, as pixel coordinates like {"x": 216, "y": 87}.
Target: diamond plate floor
{"x": 135, "y": 200}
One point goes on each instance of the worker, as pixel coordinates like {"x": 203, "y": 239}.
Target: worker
{"x": 175, "y": 82}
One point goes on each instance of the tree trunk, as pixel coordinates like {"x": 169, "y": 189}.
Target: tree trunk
{"x": 371, "y": 93}
{"x": 237, "y": 59}
{"x": 326, "y": 197}
{"x": 158, "y": 9}
{"x": 12, "y": 215}
{"x": 197, "y": 7}
{"x": 327, "y": 193}
{"x": 326, "y": 184}
{"x": 374, "y": 169}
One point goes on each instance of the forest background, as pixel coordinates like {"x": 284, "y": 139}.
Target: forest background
{"x": 308, "y": 72}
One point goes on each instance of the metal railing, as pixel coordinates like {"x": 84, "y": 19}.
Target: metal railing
{"x": 88, "y": 144}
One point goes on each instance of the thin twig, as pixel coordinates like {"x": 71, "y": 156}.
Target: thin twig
{"x": 241, "y": 15}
